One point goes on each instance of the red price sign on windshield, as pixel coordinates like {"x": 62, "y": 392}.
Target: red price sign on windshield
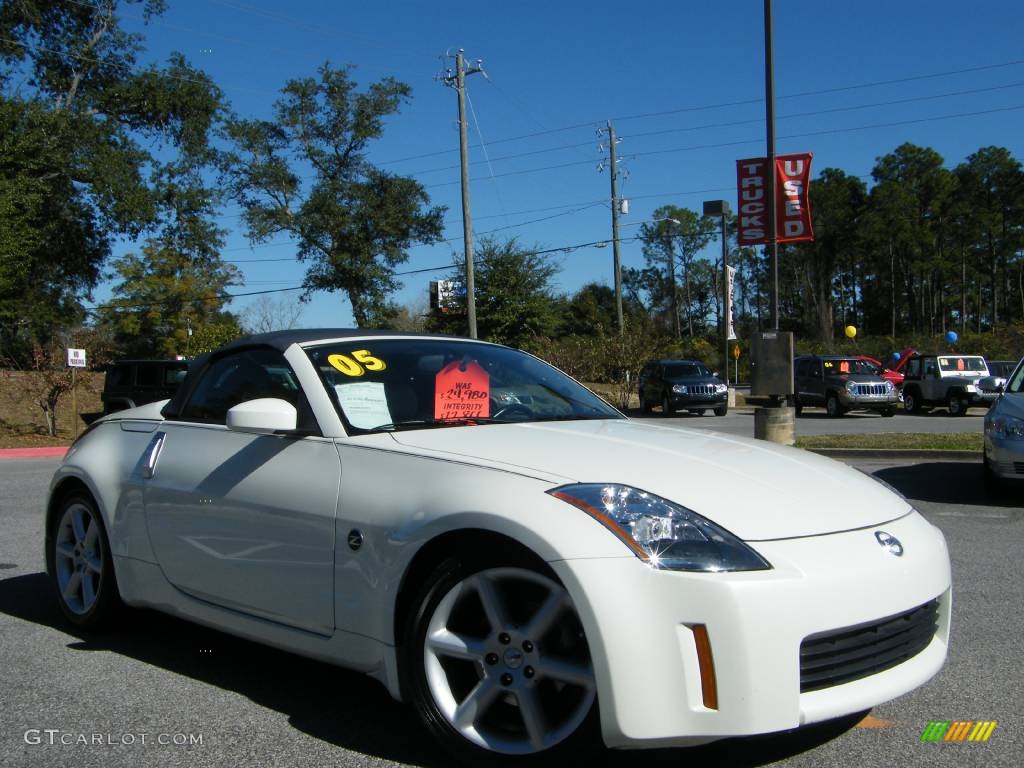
{"x": 462, "y": 391}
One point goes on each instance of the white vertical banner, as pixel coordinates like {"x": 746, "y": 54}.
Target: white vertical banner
{"x": 728, "y": 305}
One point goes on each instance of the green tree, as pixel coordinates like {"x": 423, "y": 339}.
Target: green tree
{"x": 671, "y": 242}
{"x": 353, "y": 222}
{"x": 991, "y": 184}
{"x": 162, "y": 294}
{"x": 81, "y": 128}
{"x": 515, "y": 302}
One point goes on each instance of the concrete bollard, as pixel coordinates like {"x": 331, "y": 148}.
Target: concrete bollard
{"x": 777, "y": 425}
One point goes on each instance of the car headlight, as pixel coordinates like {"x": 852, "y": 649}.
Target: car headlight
{"x": 850, "y": 386}
{"x": 660, "y": 532}
{"x": 889, "y": 387}
{"x": 1007, "y": 427}
{"x": 720, "y": 388}
{"x": 679, "y": 389}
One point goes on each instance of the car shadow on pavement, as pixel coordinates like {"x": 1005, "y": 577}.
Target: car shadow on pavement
{"x": 340, "y": 707}
{"x": 948, "y": 482}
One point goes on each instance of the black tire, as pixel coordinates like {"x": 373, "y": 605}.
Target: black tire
{"x": 832, "y": 405}
{"x": 457, "y": 601}
{"x": 80, "y": 565}
{"x": 995, "y": 487}
{"x": 644, "y": 405}
{"x": 888, "y": 412}
{"x": 957, "y": 404}
{"x": 911, "y": 400}
{"x": 722, "y": 409}
{"x": 666, "y": 407}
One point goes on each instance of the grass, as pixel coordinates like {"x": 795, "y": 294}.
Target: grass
{"x": 943, "y": 441}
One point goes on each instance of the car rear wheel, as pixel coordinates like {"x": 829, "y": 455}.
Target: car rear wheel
{"x": 498, "y": 666}
{"x": 911, "y": 401}
{"x": 81, "y": 565}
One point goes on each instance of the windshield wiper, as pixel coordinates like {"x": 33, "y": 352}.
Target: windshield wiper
{"x": 397, "y": 426}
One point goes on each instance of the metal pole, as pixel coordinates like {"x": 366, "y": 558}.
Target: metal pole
{"x": 615, "y": 227}
{"x": 769, "y": 100}
{"x": 725, "y": 300}
{"x": 74, "y": 406}
{"x": 467, "y": 219}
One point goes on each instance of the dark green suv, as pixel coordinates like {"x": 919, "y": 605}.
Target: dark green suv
{"x": 136, "y": 382}
{"x": 842, "y": 384}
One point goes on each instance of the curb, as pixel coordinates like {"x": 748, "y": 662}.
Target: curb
{"x": 33, "y": 453}
{"x": 896, "y": 453}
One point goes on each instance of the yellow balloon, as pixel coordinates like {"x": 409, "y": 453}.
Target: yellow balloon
{"x": 850, "y": 331}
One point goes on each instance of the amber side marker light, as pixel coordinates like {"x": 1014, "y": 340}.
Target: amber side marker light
{"x": 708, "y": 684}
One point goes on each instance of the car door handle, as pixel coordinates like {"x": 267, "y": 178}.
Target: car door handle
{"x": 153, "y": 455}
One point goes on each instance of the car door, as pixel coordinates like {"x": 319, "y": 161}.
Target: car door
{"x": 242, "y": 520}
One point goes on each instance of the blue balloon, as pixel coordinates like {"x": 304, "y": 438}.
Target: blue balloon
{"x": 951, "y": 337}
{"x": 895, "y": 357}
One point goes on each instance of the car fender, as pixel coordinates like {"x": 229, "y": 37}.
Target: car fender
{"x": 392, "y": 528}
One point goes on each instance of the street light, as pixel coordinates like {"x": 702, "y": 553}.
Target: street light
{"x": 721, "y": 208}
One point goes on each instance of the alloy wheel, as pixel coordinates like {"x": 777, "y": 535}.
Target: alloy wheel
{"x": 79, "y": 562}
{"x": 506, "y": 663}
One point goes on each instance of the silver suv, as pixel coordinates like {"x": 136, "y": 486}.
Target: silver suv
{"x": 945, "y": 380}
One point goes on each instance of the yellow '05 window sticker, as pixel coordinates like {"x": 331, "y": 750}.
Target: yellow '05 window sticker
{"x": 355, "y": 367}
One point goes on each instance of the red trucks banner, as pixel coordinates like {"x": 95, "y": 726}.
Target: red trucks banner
{"x": 792, "y": 207}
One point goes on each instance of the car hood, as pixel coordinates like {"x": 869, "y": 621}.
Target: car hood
{"x": 863, "y": 378}
{"x": 1010, "y": 404}
{"x": 756, "y": 489}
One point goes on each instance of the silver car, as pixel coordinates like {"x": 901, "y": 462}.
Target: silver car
{"x": 1004, "y": 432}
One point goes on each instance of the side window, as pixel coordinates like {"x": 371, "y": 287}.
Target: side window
{"x": 816, "y": 369}
{"x": 242, "y": 376}
{"x": 802, "y": 368}
{"x": 914, "y": 368}
{"x": 147, "y": 376}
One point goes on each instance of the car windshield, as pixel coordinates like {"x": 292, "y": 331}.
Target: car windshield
{"x": 1016, "y": 382}
{"x": 681, "y": 370}
{"x": 851, "y": 365}
{"x": 383, "y": 385}
{"x": 976, "y": 364}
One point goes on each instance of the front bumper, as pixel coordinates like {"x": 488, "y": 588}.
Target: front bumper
{"x": 639, "y": 624}
{"x": 1005, "y": 457}
{"x": 871, "y": 402}
{"x": 982, "y": 399}
{"x": 699, "y": 401}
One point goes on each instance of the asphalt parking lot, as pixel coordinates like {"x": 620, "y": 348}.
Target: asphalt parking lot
{"x": 234, "y": 703}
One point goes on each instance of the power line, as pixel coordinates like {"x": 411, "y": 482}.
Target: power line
{"x": 722, "y": 105}
{"x": 719, "y": 145}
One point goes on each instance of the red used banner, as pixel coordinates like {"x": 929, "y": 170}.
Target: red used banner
{"x": 792, "y": 207}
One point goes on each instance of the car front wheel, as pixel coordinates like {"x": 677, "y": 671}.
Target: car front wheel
{"x": 498, "y": 666}
{"x": 911, "y": 401}
{"x": 832, "y": 406}
{"x": 957, "y": 405}
{"x": 81, "y": 565}
{"x": 666, "y": 406}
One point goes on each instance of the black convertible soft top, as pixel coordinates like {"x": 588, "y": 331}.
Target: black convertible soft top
{"x": 279, "y": 340}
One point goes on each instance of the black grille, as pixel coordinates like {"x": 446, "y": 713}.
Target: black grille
{"x": 842, "y": 655}
{"x": 702, "y": 389}
{"x": 1018, "y": 467}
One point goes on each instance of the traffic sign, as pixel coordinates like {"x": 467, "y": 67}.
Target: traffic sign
{"x": 76, "y": 358}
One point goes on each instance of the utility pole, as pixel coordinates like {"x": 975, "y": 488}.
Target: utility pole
{"x": 769, "y": 101}
{"x": 615, "y": 227}
{"x": 458, "y": 81}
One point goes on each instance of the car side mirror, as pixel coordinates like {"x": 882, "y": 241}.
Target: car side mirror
{"x": 263, "y": 416}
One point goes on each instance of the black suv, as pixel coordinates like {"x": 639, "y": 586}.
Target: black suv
{"x": 682, "y": 385}
{"x": 136, "y": 382}
{"x": 841, "y": 384}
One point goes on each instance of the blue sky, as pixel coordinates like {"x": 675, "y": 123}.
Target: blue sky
{"x": 682, "y": 82}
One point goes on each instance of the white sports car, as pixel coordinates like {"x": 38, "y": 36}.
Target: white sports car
{"x": 499, "y": 547}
